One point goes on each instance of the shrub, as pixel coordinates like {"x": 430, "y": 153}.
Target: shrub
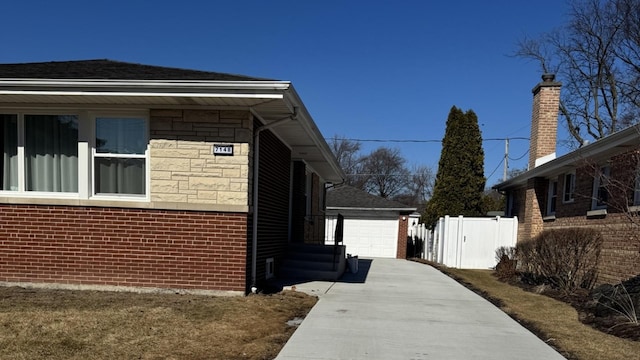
{"x": 506, "y": 266}
{"x": 566, "y": 259}
{"x": 509, "y": 251}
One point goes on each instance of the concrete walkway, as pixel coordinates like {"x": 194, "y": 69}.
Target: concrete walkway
{"x": 398, "y": 309}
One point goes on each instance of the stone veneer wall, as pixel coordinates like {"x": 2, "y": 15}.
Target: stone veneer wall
{"x": 184, "y": 171}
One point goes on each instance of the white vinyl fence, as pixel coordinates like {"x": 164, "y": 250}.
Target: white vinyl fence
{"x": 467, "y": 242}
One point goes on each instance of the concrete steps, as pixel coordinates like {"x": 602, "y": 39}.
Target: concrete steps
{"x": 313, "y": 262}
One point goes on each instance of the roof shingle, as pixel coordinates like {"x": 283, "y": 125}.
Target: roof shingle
{"x": 349, "y": 196}
{"x": 110, "y": 70}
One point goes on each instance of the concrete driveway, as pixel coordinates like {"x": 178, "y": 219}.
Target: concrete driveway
{"x": 398, "y": 309}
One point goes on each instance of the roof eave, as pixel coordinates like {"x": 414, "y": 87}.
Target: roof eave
{"x": 370, "y": 208}
{"x": 160, "y": 86}
{"x": 597, "y": 151}
{"x": 336, "y": 174}
{"x": 260, "y": 94}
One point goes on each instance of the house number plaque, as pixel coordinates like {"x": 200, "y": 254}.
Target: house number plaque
{"x": 219, "y": 149}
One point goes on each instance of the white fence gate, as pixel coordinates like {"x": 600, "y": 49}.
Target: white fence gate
{"x": 468, "y": 242}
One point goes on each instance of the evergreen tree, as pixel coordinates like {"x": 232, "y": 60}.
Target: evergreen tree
{"x": 460, "y": 180}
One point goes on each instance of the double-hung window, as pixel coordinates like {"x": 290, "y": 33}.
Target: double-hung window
{"x": 569, "y": 187}
{"x": 119, "y": 157}
{"x": 40, "y": 153}
{"x": 600, "y": 188}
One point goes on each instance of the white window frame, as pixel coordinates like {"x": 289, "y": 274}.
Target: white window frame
{"x": 603, "y": 173}
{"x": 94, "y": 154}
{"x": 552, "y": 197}
{"x": 86, "y": 151}
{"x": 22, "y": 192}
{"x": 572, "y": 187}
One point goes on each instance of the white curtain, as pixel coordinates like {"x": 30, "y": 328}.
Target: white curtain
{"x": 120, "y": 176}
{"x": 125, "y": 173}
{"x": 9, "y": 165}
{"x": 51, "y": 153}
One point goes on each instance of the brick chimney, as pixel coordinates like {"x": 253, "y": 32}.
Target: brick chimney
{"x": 544, "y": 121}
{"x": 542, "y": 148}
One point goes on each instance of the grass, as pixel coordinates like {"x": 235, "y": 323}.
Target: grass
{"x": 554, "y": 321}
{"x": 59, "y": 324}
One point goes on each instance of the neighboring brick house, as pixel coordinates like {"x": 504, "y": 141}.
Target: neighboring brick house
{"x": 597, "y": 186}
{"x": 373, "y": 226}
{"x": 128, "y": 175}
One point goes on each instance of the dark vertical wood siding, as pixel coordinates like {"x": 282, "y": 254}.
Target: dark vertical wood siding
{"x": 273, "y": 201}
{"x": 299, "y": 202}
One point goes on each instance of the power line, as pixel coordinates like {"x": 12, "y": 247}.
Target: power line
{"x": 523, "y": 155}
{"x": 419, "y": 141}
{"x": 496, "y": 169}
{"x": 504, "y": 159}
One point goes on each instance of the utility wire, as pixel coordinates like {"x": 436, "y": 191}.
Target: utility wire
{"x": 496, "y": 169}
{"x": 419, "y": 141}
{"x": 523, "y": 155}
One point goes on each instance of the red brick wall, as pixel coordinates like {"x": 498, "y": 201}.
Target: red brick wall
{"x": 620, "y": 256}
{"x": 620, "y": 228}
{"x": 123, "y": 247}
{"x": 403, "y": 230}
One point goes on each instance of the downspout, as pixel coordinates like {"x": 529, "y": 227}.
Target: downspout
{"x": 256, "y": 173}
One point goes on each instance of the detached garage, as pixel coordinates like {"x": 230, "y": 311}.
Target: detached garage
{"x": 373, "y": 226}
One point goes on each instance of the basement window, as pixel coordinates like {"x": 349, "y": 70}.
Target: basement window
{"x": 269, "y": 270}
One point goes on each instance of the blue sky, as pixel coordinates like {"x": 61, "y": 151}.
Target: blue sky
{"x": 365, "y": 69}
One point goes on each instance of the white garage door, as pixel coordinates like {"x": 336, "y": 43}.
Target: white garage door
{"x": 371, "y": 238}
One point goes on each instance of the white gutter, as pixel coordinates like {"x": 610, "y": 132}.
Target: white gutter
{"x": 141, "y": 94}
{"x": 315, "y": 134}
{"x": 173, "y": 84}
{"x": 369, "y": 209}
{"x": 627, "y": 137}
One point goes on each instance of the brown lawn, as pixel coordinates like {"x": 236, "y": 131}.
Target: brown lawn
{"x": 60, "y": 324}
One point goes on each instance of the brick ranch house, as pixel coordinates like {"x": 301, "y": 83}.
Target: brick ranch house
{"x": 597, "y": 186}
{"x": 128, "y": 176}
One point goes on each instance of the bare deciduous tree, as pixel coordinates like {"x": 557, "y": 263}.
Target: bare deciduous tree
{"x": 347, "y": 152}
{"x": 421, "y": 183}
{"x": 419, "y": 187}
{"x": 382, "y": 172}
{"x": 385, "y": 172}
{"x": 596, "y": 56}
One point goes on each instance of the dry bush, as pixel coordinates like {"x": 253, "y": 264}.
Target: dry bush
{"x": 567, "y": 259}
{"x": 506, "y": 266}
{"x": 509, "y": 251}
